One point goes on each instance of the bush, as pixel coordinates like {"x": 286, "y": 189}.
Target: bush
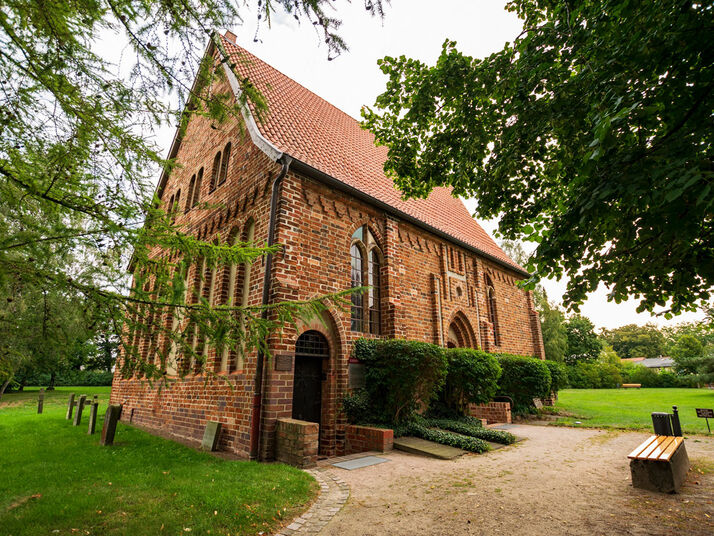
{"x": 471, "y": 429}
{"x": 357, "y": 407}
{"x": 523, "y": 379}
{"x": 594, "y": 376}
{"x": 416, "y": 429}
{"x": 400, "y": 375}
{"x": 558, "y": 376}
{"x": 471, "y": 378}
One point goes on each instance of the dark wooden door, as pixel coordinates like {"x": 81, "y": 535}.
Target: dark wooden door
{"x": 307, "y": 388}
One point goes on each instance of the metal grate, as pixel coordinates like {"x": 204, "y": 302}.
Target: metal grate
{"x": 312, "y": 343}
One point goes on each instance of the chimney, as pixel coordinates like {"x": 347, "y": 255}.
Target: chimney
{"x": 230, "y": 36}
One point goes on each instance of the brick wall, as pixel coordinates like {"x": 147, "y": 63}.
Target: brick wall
{"x": 492, "y": 412}
{"x": 365, "y": 439}
{"x": 296, "y": 442}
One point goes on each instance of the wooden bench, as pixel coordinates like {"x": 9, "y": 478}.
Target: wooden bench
{"x": 631, "y": 385}
{"x": 660, "y": 463}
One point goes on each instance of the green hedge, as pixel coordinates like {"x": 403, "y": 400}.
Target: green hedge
{"x": 69, "y": 378}
{"x": 608, "y": 376}
{"x": 558, "y": 375}
{"x": 523, "y": 379}
{"x": 399, "y": 376}
{"x": 594, "y": 376}
{"x": 472, "y": 377}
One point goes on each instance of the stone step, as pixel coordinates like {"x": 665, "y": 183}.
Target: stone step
{"x": 414, "y": 445}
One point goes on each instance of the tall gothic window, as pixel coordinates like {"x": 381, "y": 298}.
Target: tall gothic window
{"x": 189, "y": 197}
{"x": 216, "y": 170}
{"x": 357, "y": 281}
{"x": 366, "y": 264}
{"x": 197, "y": 189}
{"x": 224, "y": 164}
{"x": 492, "y": 312}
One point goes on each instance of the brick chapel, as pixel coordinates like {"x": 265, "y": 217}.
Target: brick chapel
{"x": 313, "y": 176}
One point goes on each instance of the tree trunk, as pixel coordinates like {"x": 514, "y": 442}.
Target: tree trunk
{"x": 4, "y": 386}
{"x": 51, "y": 386}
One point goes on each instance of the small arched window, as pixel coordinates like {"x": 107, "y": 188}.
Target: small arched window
{"x": 216, "y": 170}
{"x": 492, "y": 311}
{"x": 366, "y": 264}
{"x": 197, "y": 189}
{"x": 189, "y": 197}
{"x": 171, "y": 205}
{"x": 224, "y": 164}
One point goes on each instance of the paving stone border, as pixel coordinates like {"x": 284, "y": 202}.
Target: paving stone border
{"x": 334, "y": 493}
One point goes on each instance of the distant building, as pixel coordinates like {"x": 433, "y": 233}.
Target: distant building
{"x": 657, "y": 363}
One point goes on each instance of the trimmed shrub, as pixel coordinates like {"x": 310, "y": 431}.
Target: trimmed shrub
{"x": 558, "y": 375}
{"x": 472, "y": 377}
{"x": 523, "y": 379}
{"x": 357, "y": 407}
{"x": 400, "y": 375}
{"x": 416, "y": 429}
{"x": 472, "y": 430}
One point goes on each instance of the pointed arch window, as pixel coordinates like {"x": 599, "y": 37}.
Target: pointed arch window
{"x": 224, "y": 164}
{"x": 197, "y": 190}
{"x": 366, "y": 265}
{"x": 189, "y": 197}
{"x": 492, "y": 310}
{"x": 216, "y": 170}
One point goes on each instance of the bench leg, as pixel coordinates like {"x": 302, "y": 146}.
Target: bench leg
{"x": 664, "y": 477}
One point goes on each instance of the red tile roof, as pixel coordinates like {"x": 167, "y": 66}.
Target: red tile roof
{"x": 315, "y": 132}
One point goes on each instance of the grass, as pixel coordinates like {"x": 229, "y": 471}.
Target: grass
{"x": 631, "y": 408}
{"x": 56, "y": 479}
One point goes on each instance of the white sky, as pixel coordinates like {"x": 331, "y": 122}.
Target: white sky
{"x": 417, "y": 29}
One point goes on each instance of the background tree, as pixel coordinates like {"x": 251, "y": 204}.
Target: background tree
{"x": 77, "y": 164}
{"x": 608, "y": 355}
{"x": 592, "y": 134}
{"x": 636, "y": 341}
{"x": 552, "y": 324}
{"x": 583, "y": 343}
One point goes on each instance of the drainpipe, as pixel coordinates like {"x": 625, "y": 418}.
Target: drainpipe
{"x": 285, "y": 160}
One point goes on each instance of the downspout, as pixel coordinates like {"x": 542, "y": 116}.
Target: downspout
{"x": 255, "y": 427}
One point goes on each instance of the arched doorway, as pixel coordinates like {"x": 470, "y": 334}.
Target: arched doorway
{"x": 311, "y": 349}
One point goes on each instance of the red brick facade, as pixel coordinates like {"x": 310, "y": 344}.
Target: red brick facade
{"x": 431, "y": 289}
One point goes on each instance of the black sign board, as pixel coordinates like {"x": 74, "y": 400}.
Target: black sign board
{"x": 703, "y": 413}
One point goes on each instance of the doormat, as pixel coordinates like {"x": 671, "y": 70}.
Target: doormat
{"x": 360, "y": 462}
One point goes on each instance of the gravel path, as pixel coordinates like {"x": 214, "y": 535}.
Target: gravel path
{"x": 558, "y": 481}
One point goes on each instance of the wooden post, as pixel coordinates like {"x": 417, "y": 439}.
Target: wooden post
{"x": 80, "y": 407}
{"x": 70, "y": 407}
{"x": 41, "y": 400}
{"x": 93, "y": 417}
{"x": 110, "y": 425}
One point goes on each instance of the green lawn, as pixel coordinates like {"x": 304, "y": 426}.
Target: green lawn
{"x": 631, "y": 408}
{"x": 55, "y": 479}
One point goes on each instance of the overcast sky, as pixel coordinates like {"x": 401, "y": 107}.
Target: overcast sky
{"x": 417, "y": 29}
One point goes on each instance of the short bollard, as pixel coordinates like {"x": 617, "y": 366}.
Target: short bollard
{"x": 70, "y": 406}
{"x": 92, "y": 417}
{"x": 41, "y": 401}
{"x": 80, "y": 408}
{"x": 110, "y": 425}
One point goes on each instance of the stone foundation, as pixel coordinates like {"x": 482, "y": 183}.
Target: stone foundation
{"x": 493, "y": 412}
{"x": 365, "y": 438}
{"x": 296, "y": 442}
